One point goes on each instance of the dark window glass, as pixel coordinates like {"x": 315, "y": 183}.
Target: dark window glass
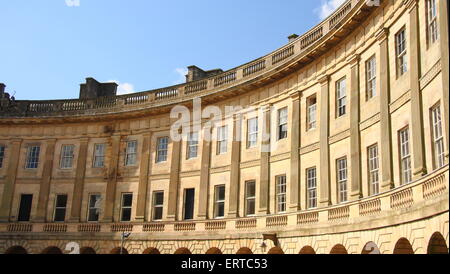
{"x": 158, "y": 203}
{"x": 25, "y": 207}
{"x": 94, "y": 208}
{"x": 127, "y": 202}
{"x": 60, "y": 208}
{"x": 189, "y": 204}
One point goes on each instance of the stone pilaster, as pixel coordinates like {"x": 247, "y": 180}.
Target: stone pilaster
{"x": 44, "y": 189}
{"x": 204, "y": 174}
{"x": 174, "y": 180}
{"x": 264, "y": 180}
{"x": 295, "y": 153}
{"x": 325, "y": 182}
{"x": 355, "y": 136}
{"x": 417, "y": 134}
{"x": 111, "y": 186}
{"x": 387, "y": 181}
{"x": 79, "y": 181}
{"x": 143, "y": 179}
{"x": 443, "y": 32}
{"x": 8, "y": 189}
{"x": 233, "y": 204}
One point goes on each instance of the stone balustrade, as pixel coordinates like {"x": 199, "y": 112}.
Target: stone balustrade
{"x": 271, "y": 62}
{"x": 401, "y": 198}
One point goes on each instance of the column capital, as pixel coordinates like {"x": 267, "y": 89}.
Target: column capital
{"x": 295, "y": 95}
{"x": 15, "y": 140}
{"x": 323, "y": 79}
{"x": 410, "y": 4}
{"x": 354, "y": 60}
{"x": 382, "y": 34}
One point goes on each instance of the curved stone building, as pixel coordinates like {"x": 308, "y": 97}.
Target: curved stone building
{"x": 340, "y": 146}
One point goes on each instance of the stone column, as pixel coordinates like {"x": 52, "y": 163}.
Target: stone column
{"x": 233, "y": 204}
{"x": 355, "y": 136}
{"x": 174, "y": 180}
{"x": 295, "y": 153}
{"x": 264, "y": 183}
{"x": 417, "y": 134}
{"x": 8, "y": 188}
{"x": 385, "y": 145}
{"x": 79, "y": 181}
{"x": 143, "y": 179}
{"x": 108, "y": 216}
{"x": 44, "y": 189}
{"x": 204, "y": 175}
{"x": 325, "y": 183}
{"x": 443, "y": 32}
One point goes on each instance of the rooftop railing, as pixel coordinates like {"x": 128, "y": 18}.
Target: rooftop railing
{"x": 186, "y": 91}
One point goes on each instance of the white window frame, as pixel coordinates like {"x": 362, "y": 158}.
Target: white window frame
{"x": 96, "y": 206}
{"x": 311, "y": 187}
{"x": 60, "y": 207}
{"x": 342, "y": 179}
{"x": 283, "y": 116}
{"x": 252, "y": 132}
{"x": 67, "y": 155}
{"x": 401, "y": 52}
{"x": 158, "y": 206}
{"x": 99, "y": 156}
{"x": 131, "y": 153}
{"x": 33, "y": 156}
{"x": 405, "y": 156}
{"x": 438, "y": 137}
{"x": 222, "y": 140}
{"x": 192, "y": 145}
{"x": 250, "y": 198}
{"x": 281, "y": 190}
{"x": 373, "y": 165}
{"x": 162, "y": 149}
{"x": 218, "y": 201}
{"x": 432, "y": 22}
{"x": 371, "y": 78}
{"x": 341, "y": 97}
{"x": 122, "y": 207}
{"x": 312, "y": 113}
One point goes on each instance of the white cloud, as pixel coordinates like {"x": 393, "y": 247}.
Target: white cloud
{"x": 73, "y": 3}
{"x": 327, "y": 7}
{"x": 123, "y": 88}
{"x": 181, "y": 72}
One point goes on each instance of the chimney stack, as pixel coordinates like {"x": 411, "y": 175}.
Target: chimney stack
{"x": 2, "y": 88}
{"x": 93, "y": 89}
{"x": 292, "y": 37}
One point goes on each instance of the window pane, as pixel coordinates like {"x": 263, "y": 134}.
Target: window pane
{"x": 32, "y": 161}
{"x": 2, "y": 155}
{"x": 99, "y": 155}
{"x": 162, "y": 149}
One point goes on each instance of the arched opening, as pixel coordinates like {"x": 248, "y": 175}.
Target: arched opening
{"x": 18, "y": 250}
{"x": 338, "y": 249}
{"x": 116, "y": 250}
{"x": 403, "y": 247}
{"x": 307, "y": 250}
{"x": 182, "y": 251}
{"x": 437, "y": 244}
{"x": 87, "y": 251}
{"x": 53, "y": 250}
{"x": 213, "y": 251}
{"x": 275, "y": 250}
{"x": 370, "y": 248}
{"x": 244, "y": 250}
{"x": 151, "y": 251}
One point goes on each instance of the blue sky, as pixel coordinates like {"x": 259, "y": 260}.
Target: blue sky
{"x": 48, "y": 47}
